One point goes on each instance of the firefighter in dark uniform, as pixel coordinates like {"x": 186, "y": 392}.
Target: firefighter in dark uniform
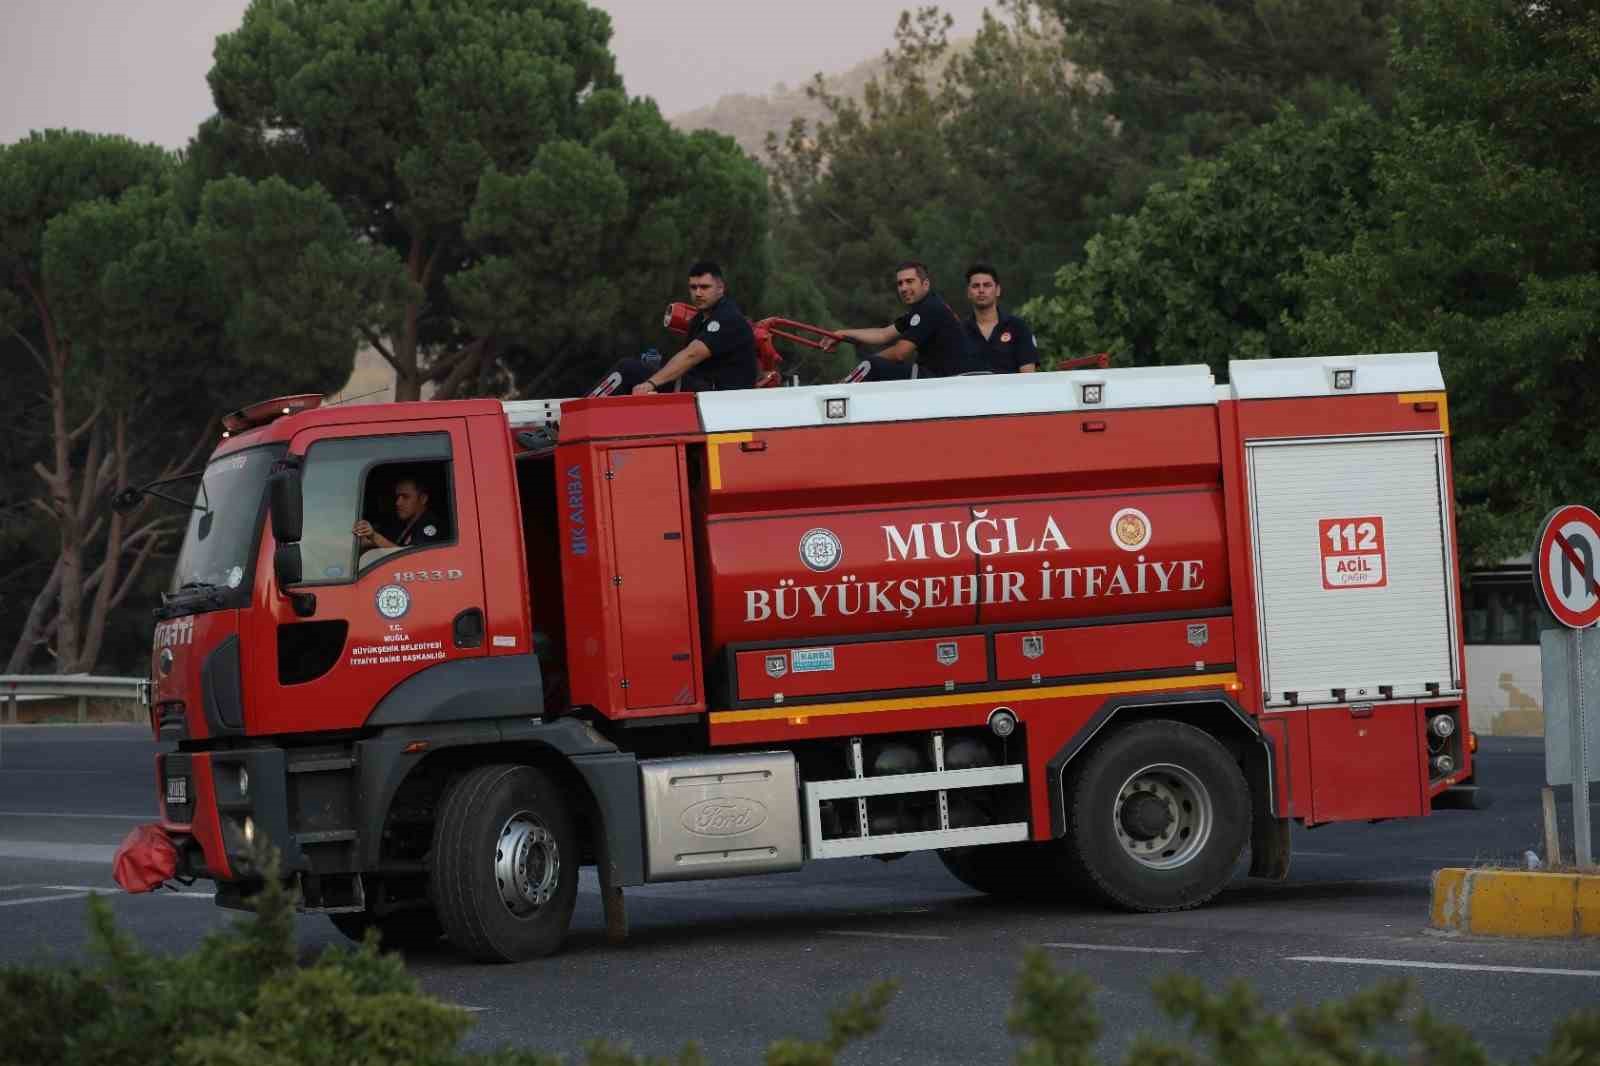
{"x": 414, "y": 525}
{"x": 929, "y": 332}
{"x": 1003, "y": 340}
{"x": 721, "y": 353}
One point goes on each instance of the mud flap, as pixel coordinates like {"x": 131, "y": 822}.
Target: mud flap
{"x": 1269, "y": 845}
{"x": 616, "y": 911}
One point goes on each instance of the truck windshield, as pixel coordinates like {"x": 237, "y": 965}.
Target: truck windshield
{"x": 219, "y": 546}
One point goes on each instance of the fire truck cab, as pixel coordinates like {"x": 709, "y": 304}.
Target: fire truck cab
{"x": 1090, "y": 633}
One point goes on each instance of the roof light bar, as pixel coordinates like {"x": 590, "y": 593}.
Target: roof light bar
{"x": 259, "y": 414}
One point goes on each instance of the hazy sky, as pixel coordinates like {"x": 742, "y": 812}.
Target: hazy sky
{"x": 138, "y": 67}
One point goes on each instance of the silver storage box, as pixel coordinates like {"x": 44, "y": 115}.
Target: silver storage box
{"x": 721, "y": 816}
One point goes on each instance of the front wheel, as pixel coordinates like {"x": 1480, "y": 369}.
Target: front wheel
{"x": 505, "y": 864}
{"x": 1158, "y": 816}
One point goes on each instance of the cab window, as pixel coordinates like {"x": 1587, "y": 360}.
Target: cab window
{"x": 369, "y": 498}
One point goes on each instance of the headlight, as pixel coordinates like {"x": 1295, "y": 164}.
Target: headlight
{"x": 244, "y": 783}
{"x": 250, "y": 831}
{"x": 1443, "y": 764}
{"x": 1442, "y": 725}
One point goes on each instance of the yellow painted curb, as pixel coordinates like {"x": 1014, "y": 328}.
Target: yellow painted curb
{"x": 1516, "y": 903}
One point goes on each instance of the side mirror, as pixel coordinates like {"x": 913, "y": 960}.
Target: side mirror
{"x": 286, "y": 565}
{"x": 286, "y": 504}
{"x": 286, "y": 568}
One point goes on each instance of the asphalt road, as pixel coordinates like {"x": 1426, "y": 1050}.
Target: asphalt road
{"x": 736, "y": 964}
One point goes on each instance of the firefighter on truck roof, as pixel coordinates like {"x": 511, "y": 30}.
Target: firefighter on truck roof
{"x": 721, "y": 353}
{"x": 929, "y": 332}
{"x": 1001, "y": 338}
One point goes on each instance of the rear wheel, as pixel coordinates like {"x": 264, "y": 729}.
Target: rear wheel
{"x": 397, "y": 931}
{"x": 505, "y": 864}
{"x": 1159, "y": 815}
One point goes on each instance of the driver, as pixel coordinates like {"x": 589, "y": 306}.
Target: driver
{"x": 414, "y": 522}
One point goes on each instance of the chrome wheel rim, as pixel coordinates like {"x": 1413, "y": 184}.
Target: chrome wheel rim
{"x": 527, "y": 864}
{"x": 1163, "y": 816}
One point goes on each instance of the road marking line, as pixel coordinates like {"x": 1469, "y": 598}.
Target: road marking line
{"x": 40, "y": 899}
{"x": 85, "y": 888}
{"x": 1415, "y": 964}
{"x": 1303, "y": 853}
{"x": 1349, "y": 882}
{"x": 70, "y": 814}
{"x": 1124, "y": 947}
{"x": 883, "y": 936}
{"x": 117, "y": 890}
{"x": 96, "y": 854}
{"x": 57, "y": 773}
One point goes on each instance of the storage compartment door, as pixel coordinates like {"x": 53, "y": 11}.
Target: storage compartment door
{"x": 1366, "y": 762}
{"x": 1352, "y": 568}
{"x": 651, "y": 582}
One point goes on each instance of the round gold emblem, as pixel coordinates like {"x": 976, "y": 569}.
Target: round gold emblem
{"x": 1130, "y": 528}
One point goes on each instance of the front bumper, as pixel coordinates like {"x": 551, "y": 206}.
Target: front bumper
{"x": 242, "y": 798}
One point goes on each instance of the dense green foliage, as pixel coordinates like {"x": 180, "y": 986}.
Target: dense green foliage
{"x": 579, "y": 252}
{"x": 1203, "y": 272}
{"x": 1185, "y": 79}
{"x": 242, "y": 998}
{"x": 995, "y": 153}
{"x": 1062, "y": 113}
{"x": 138, "y": 318}
{"x": 1484, "y": 244}
{"x": 538, "y": 216}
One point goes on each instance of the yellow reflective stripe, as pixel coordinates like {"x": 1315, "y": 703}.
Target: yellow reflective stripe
{"x": 1020, "y": 695}
{"x": 1431, "y": 397}
{"x": 714, "y": 460}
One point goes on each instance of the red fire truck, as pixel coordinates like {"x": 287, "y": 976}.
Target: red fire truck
{"x": 1091, "y": 632}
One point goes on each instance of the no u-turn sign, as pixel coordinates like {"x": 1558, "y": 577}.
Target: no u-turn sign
{"x": 1564, "y": 565}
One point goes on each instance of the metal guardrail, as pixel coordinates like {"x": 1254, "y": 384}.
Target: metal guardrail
{"x": 16, "y": 687}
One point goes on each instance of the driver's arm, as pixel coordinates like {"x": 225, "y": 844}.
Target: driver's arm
{"x": 370, "y": 537}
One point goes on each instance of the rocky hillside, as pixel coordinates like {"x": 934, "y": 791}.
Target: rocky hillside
{"x": 747, "y": 119}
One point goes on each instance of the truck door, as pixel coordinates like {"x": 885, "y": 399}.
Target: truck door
{"x": 652, "y": 585}
{"x": 382, "y": 613}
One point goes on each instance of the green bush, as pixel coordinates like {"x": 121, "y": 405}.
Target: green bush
{"x": 243, "y": 999}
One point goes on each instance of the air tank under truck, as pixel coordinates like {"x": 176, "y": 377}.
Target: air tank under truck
{"x": 1085, "y": 634}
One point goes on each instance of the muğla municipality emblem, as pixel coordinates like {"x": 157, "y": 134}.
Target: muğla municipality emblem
{"x": 820, "y": 550}
{"x": 393, "y": 601}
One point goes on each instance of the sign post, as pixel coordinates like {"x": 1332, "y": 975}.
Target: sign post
{"x": 1564, "y": 559}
